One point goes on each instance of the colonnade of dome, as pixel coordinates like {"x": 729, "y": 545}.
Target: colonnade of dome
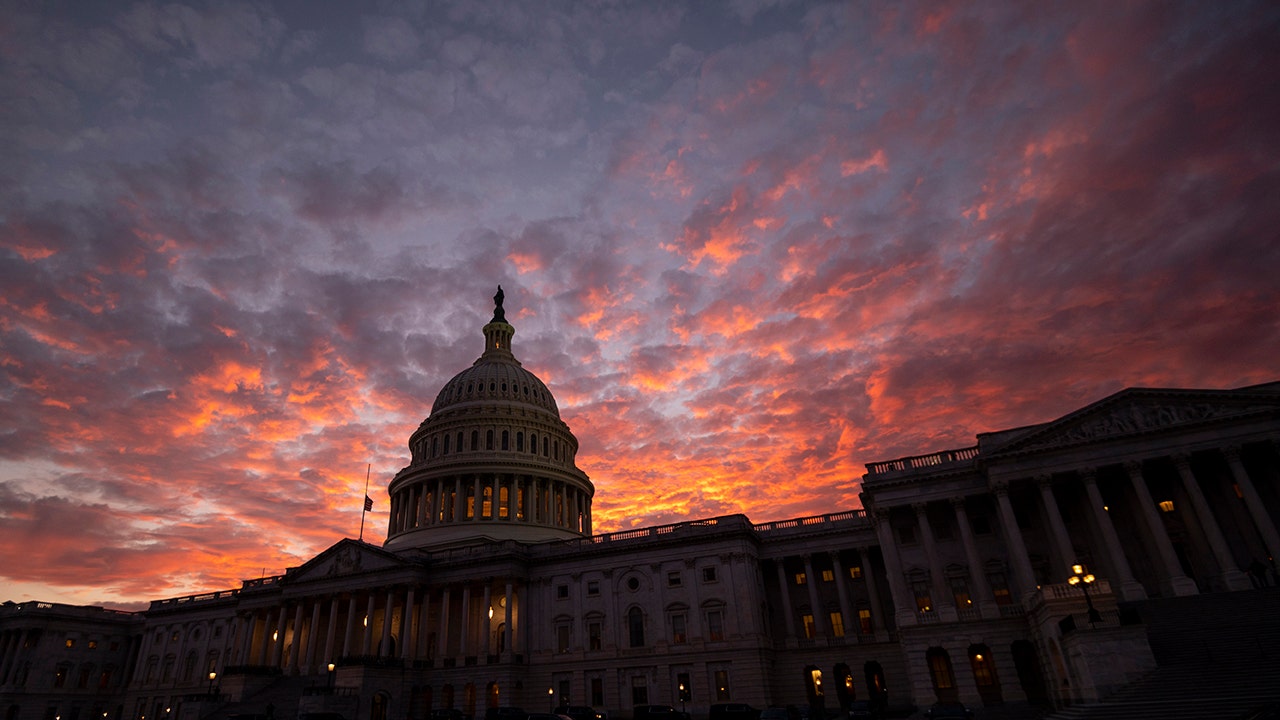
{"x": 492, "y": 461}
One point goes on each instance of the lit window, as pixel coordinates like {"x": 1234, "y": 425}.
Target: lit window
{"x": 562, "y": 637}
{"x": 800, "y": 578}
{"x": 809, "y": 630}
{"x": 837, "y": 624}
{"x": 1166, "y": 506}
{"x": 828, "y": 576}
{"x": 855, "y": 572}
{"x": 864, "y": 621}
{"x": 71, "y": 642}
{"x": 673, "y": 579}
{"x": 678, "y": 634}
{"x": 722, "y": 685}
{"x": 593, "y": 636}
{"x": 715, "y": 625}
{"x": 93, "y": 644}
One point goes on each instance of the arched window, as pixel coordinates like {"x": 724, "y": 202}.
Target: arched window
{"x": 475, "y": 440}
{"x": 556, "y": 446}
{"x": 488, "y": 439}
{"x": 941, "y": 674}
{"x": 520, "y": 442}
{"x": 505, "y": 440}
{"x": 546, "y": 446}
{"x": 533, "y": 443}
{"x": 446, "y": 443}
{"x": 984, "y": 674}
{"x": 435, "y": 446}
{"x": 635, "y": 627}
{"x": 459, "y": 445}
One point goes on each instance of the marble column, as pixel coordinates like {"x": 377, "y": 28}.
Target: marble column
{"x": 784, "y": 588}
{"x": 442, "y": 634}
{"x": 295, "y": 644}
{"x": 873, "y": 596}
{"x": 1231, "y": 576}
{"x": 1130, "y": 589}
{"x": 486, "y": 619}
{"x": 815, "y": 606}
{"x": 837, "y": 571}
{"x": 978, "y": 585}
{"x": 366, "y": 643}
{"x": 408, "y": 636}
{"x": 331, "y": 633}
{"x": 944, "y": 603}
{"x": 903, "y": 605}
{"x": 464, "y": 621}
{"x": 1176, "y": 581}
{"x": 1058, "y": 529}
{"x": 276, "y": 638}
{"x": 1253, "y": 501}
{"x": 506, "y": 629}
{"x": 313, "y": 638}
{"x": 388, "y": 614}
{"x": 349, "y": 639}
{"x": 1022, "y": 572}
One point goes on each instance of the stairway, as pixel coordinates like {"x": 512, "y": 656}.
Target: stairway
{"x": 1217, "y": 656}
{"x": 282, "y": 694}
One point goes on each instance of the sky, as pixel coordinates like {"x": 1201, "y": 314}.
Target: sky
{"x": 749, "y": 245}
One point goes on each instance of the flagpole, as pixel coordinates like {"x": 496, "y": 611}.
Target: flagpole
{"x": 364, "y": 503}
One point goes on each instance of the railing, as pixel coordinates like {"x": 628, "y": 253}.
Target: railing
{"x": 687, "y": 527}
{"x": 968, "y": 613}
{"x": 260, "y": 670}
{"x": 370, "y": 661}
{"x": 1062, "y": 591}
{"x": 915, "y": 462}
{"x": 1011, "y": 611}
{"x": 203, "y": 597}
{"x": 828, "y": 519}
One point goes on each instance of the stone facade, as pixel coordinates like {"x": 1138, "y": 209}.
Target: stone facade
{"x": 954, "y": 582}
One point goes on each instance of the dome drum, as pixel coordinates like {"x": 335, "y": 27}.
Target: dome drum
{"x": 493, "y": 460}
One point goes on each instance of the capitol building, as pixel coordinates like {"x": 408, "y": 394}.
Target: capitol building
{"x": 1042, "y": 568}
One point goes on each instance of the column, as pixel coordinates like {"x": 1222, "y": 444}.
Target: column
{"x": 1058, "y": 529}
{"x": 423, "y": 650}
{"x": 384, "y": 645}
{"x": 348, "y": 641}
{"x": 486, "y": 615}
{"x": 313, "y": 637}
{"x": 1253, "y": 502}
{"x": 277, "y": 637}
{"x": 459, "y": 506}
{"x": 1232, "y": 578}
{"x": 981, "y": 589}
{"x": 408, "y": 636}
{"x": 246, "y": 642}
{"x": 477, "y": 501}
{"x": 443, "y": 630}
{"x": 784, "y": 588}
{"x": 496, "y": 504}
{"x": 1013, "y": 538}
{"x": 873, "y": 596}
{"x": 464, "y": 644}
{"x": 587, "y": 515}
{"x": 903, "y": 610}
{"x": 366, "y": 642}
{"x": 837, "y": 570}
{"x": 296, "y": 645}
{"x": 506, "y": 629}
{"x": 815, "y": 606}
{"x": 943, "y": 601}
{"x": 1130, "y": 589}
{"x": 331, "y": 633}
{"x": 1177, "y": 582}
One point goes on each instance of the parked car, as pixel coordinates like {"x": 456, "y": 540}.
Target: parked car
{"x": 579, "y": 712}
{"x": 949, "y": 710}
{"x": 658, "y": 712}
{"x": 860, "y": 710}
{"x": 733, "y": 711}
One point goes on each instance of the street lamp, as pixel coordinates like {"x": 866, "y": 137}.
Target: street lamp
{"x": 682, "y": 697}
{"x": 212, "y": 676}
{"x": 331, "y": 677}
{"x": 1084, "y": 580}
{"x": 551, "y": 703}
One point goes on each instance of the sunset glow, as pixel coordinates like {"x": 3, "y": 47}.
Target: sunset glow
{"x": 749, "y": 246}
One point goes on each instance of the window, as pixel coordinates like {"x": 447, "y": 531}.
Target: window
{"x": 809, "y": 630}
{"x": 1000, "y": 588}
{"x": 639, "y": 690}
{"x": 593, "y": 587}
{"x": 60, "y": 677}
{"x": 709, "y": 574}
{"x": 673, "y": 579}
{"x": 684, "y": 688}
{"x": 855, "y": 572}
{"x": 506, "y": 444}
{"x": 85, "y": 672}
{"x": 562, "y": 637}
{"x": 562, "y": 592}
{"x": 837, "y": 624}
{"x": 93, "y": 644}
{"x": 940, "y": 669}
{"x": 104, "y": 680}
{"x": 597, "y": 691}
{"x": 678, "y": 630}
{"x": 715, "y": 625}
{"x": 488, "y": 440}
{"x": 446, "y": 444}
{"x": 520, "y": 442}
{"x": 593, "y": 636}
{"x": 635, "y": 627}
{"x": 800, "y": 578}
{"x": 960, "y": 591}
{"x": 71, "y": 642}
{"x": 475, "y": 440}
{"x": 1166, "y": 506}
{"x": 864, "y": 621}
{"x": 921, "y": 590}
{"x": 722, "y": 685}
{"x": 633, "y": 584}
{"x": 828, "y": 575}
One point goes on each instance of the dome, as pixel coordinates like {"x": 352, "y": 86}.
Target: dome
{"x": 492, "y": 461}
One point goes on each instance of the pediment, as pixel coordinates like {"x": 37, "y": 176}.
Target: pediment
{"x": 1140, "y": 411}
{"x": 346, "y": 557}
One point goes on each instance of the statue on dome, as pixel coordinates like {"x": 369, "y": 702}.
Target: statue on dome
{"x": 499, "y": 315}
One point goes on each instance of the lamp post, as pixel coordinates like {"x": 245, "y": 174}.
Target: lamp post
{"x": 330, "y": 677}
{"x": 212, "y": 676}
{"x": 1084, "y": 580}
{"x": 681, "y": 697}
{"x": 551, "y": 702}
